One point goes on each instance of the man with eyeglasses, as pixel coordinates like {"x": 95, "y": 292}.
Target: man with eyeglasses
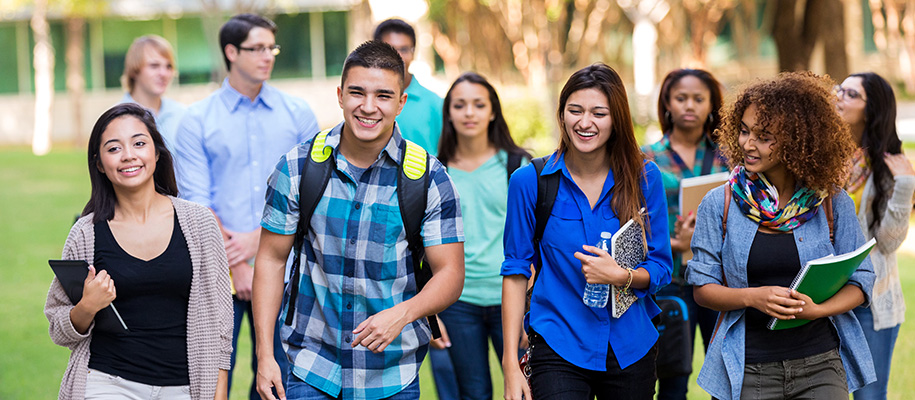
{"x": 421, "y": 118}
{"x": 229, "y": 143}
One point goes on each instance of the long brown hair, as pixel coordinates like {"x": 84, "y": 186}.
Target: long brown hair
{"x": 626, "y": 159}
{"x": 497, "y": 130}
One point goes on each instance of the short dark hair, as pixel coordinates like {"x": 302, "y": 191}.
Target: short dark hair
{"x": 236, "y": 30}
{"x": 102, "y": 199}
{"x": 374, "y": 54}
{"x": 395, "y": 25}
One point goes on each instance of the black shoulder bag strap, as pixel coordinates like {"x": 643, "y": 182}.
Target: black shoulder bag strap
{"x": 314, "y": 174}
{"x": 547, "y": 187}
{"x": 412, "y": 194}
{"x": 708, "y": 159}
{"x": 513, "y": 163}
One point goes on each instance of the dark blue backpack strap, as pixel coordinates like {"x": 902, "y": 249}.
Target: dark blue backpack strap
{"x": 547, "y": 188}
{"x": 412, "y": 194}
{"x": 513, "y": 163}
{"x": 315, "y": 173}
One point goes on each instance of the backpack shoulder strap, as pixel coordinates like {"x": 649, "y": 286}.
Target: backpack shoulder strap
{"x": 412, "y": 189}
{"x": 315, "y": 173}
{"x": 412, "y": 194}
{"x": 513, "y": 163}
{"x": 547, "y": 188}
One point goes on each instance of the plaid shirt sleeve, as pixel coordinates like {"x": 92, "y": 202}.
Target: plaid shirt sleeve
{"x": 281, "y": 211}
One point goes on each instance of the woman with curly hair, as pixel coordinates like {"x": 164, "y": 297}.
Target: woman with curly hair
{"x": 881, "y": 183}
{"x": 789, "y": 148}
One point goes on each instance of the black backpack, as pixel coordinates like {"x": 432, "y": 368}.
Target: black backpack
{"x": 412, "y": 190}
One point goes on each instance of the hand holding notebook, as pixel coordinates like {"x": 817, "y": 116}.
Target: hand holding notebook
{"x": 822, "y": 278}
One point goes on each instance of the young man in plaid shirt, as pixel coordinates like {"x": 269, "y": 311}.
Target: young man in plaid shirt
{"x": 358, "y": 329}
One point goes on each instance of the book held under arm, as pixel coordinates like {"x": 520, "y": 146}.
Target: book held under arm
{"x": 692, "y": 190}
{"x": 822, "y": 278}
{"x": 629, "y": 249}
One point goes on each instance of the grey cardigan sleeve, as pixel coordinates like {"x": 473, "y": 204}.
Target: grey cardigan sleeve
{"x": 894, "y": 223}
{"x": 57, "y": 306}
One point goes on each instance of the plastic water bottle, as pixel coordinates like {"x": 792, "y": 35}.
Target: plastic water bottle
{"x": 597, "y": 294}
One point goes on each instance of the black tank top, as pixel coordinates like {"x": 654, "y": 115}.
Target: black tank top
{"x": 152, "y": 297}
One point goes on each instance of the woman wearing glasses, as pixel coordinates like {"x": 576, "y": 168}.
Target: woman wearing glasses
{"x": 881, "y": 183}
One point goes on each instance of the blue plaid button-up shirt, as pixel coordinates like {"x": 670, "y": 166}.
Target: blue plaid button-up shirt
{"x": 355, "y": 263}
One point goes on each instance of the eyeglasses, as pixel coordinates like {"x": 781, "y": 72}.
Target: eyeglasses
{"x": 850, "y": 93}
{"x": 404, "y": 50}
{"x": 262, "y": 50}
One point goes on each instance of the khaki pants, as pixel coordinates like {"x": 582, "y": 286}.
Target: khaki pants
{"x": 820, "y": 376}
{"x": 102, "y": 386}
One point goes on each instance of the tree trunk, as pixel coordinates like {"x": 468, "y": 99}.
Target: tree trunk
{"x": 833, "y": 34}
{"x": 908, "y": 27}
{"x": 76, "y": 84}
{"x": 796, "y": 29}
{"x": 44, "y": 79}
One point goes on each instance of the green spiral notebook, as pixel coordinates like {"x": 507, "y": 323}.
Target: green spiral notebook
{"x": 824, "y": 277}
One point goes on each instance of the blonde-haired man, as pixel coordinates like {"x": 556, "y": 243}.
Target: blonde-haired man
{"x": 149, "y": 68}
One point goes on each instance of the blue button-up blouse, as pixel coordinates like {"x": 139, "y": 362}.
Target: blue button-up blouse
{"x": 722, "y": 372}
{"x": 578, "y": 333}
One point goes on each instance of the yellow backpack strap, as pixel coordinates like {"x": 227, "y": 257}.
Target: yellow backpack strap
{"x": 414, "y": 161}
{"x": 319, "y": 151}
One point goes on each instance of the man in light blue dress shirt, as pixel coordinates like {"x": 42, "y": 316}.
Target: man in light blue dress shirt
{"x": 228, "y": 145}
{"x": 149, "y": 68}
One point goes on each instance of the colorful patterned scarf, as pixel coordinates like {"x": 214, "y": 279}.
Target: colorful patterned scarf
{"x": 758, "y": 199}
{"x": 860, "y": 171}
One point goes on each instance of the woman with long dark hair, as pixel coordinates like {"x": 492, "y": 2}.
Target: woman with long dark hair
{"x": 479, "y": 152}
{"x": 578, "y": 351}
{"x": 688, "y": 109}
{"x": 782, "y": 207}
{"x": 881, "y": 183}
{"x": 161, "y": 259}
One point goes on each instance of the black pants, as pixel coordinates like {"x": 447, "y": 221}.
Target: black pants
{"x": 552, "y": 377}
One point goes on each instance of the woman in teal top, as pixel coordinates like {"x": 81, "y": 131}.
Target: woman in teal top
{"x": 479, "y": 152}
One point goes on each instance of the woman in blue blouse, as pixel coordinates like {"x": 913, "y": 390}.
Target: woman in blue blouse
{"x": 478, "y": 150}
{"x": 790, "y": 149}
{"x": 578, "y": 352}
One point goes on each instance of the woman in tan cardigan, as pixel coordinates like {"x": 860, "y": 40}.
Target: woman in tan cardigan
{"x": 160, "y": 260}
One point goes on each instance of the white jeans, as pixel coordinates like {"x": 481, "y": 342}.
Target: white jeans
{"x": 102, "y": 386}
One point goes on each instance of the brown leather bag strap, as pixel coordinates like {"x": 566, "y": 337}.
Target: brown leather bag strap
{"x": 724, "y": 218}
{"x": 830, "y": 219}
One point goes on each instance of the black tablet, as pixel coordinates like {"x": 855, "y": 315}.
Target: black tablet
{"x": 72, "y": 275}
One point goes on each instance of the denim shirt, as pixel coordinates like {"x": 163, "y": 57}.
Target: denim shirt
{"x": 723, "y": 370}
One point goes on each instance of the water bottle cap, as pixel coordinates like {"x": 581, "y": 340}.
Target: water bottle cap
{"x": 606, "y": 235}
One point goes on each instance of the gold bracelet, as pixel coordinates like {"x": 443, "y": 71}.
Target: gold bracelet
{"x": 628, "y": 282}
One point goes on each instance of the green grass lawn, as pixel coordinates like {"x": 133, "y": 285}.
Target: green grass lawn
{"x": 38, "y": 202}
